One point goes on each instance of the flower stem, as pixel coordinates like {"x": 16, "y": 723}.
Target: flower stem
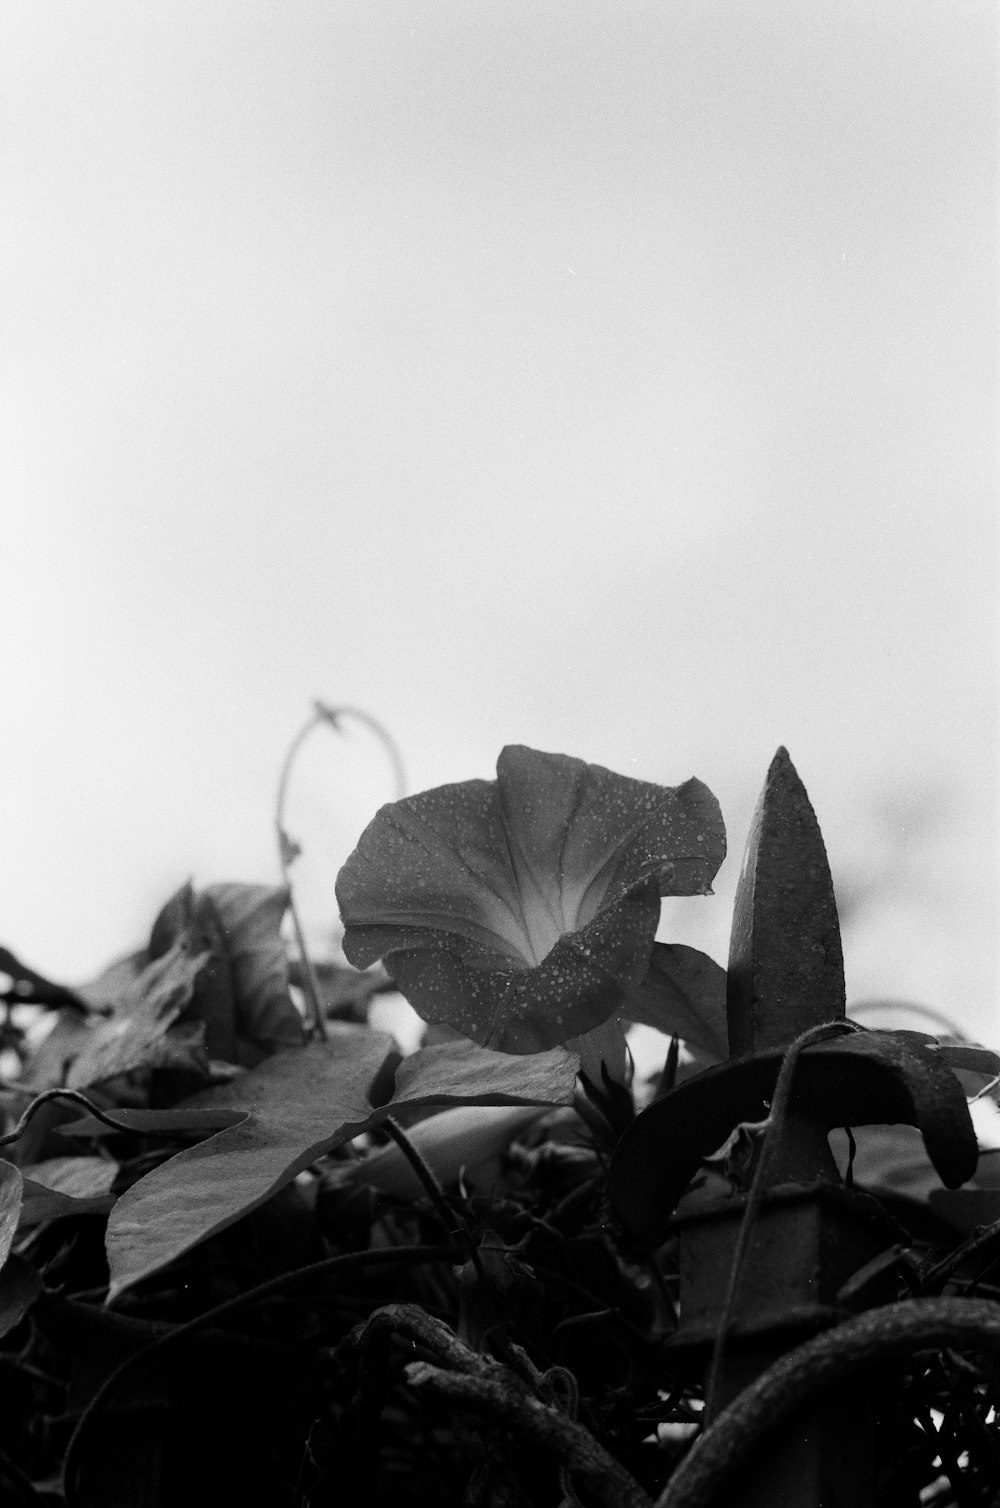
{"x": 288, "y": 849}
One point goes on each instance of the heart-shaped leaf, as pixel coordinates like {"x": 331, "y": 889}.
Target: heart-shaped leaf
{"x": 302, "y": 1103}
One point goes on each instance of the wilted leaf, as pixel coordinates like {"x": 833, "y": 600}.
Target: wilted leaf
{"x": 51, "y": 1061}
{"x": 114, "y": 989}
{"x": 11, "y": 1192}
{"x": 683, "y": 995}
{"x": 20, "y": 1285}
{"x": 144, "y": 1010}
{"x": 302, "y": 1103}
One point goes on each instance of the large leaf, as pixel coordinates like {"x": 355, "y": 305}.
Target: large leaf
{"x": 684, "y": 995}
{"x": 302, "y": 1103}
{"x": 520, "y": 911}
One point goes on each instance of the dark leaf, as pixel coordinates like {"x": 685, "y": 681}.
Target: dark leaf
{"x": 11, "y": 1194}
{"x": 20, "y": 1285}
{"x": 242, "y": 995}
{"x": 871, "y": 1078}
{"x": 66, "y": 1186}
{"x": 250, "y": 918}
{"x": 302, "y": 1103}
{"x": 32, "y": 988}
{"x": 196, "y": 1121}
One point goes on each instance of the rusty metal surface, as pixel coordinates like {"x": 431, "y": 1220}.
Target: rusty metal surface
{"x": 869, "y": 1079}
{"x": 786, "y": 977}
{"x": 786, "y": 964}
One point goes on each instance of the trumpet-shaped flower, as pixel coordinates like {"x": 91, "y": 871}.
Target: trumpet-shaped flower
{"x": 522, "y": 911}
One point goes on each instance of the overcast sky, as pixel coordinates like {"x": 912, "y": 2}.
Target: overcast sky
{"x": 618, "y": 379}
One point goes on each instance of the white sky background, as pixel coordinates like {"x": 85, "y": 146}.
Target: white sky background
{"x": 616, "y": 379}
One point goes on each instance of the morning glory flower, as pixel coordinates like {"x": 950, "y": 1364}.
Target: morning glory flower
{"x": 522, "y": 911}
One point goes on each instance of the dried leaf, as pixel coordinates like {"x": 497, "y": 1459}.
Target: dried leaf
{"x": 143, "y": 1012}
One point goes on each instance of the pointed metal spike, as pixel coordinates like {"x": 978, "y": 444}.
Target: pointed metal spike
{"x": 786, "y": 965}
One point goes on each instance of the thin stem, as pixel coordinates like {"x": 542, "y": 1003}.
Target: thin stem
{"x": 333, "y": 715}
{"x": 450, "y": 1217}
{"x": 75, "y": 1097}
{"x": 501, "y": 1398}
{"x": 288, "y": 849}
{"x": 348, "y": 1261}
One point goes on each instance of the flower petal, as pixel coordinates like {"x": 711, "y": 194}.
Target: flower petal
{"x": 511, "y": 866}
{"x": 437, "y": 861}
{"x": 579, "y": 834}
{"x": 576, "y": 987}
